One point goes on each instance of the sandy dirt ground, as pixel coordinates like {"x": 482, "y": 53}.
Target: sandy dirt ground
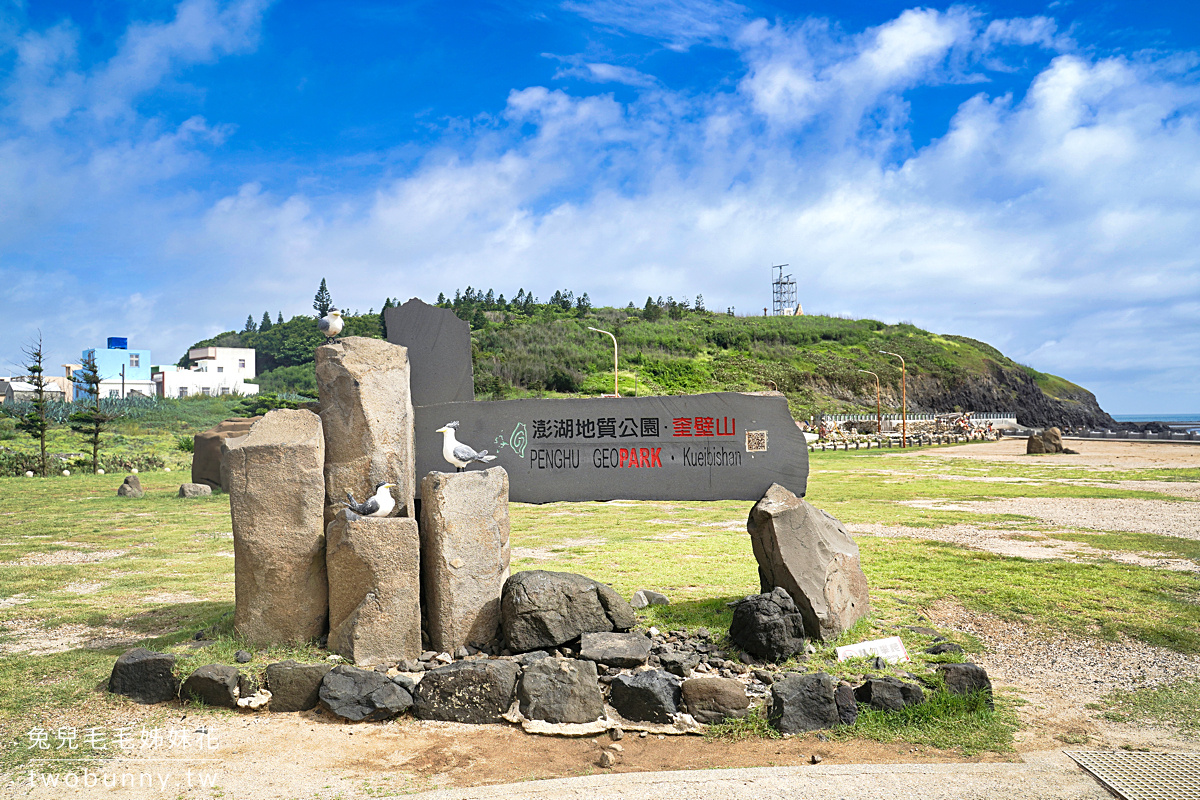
{"x": 1093, "y": 453}
{"x": 312, "y": 755}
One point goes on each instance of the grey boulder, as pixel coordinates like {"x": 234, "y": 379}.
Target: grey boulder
{"x": 560, "y": 690}
{"x": 811, "y": 555}
{"x": 965, "y": 679}
{"x": 540, "y": 609}
{"x": 132, "y": 487}
{"x": 295, "y": 686}
{"x": 358, "y": 694}
{"x": 678, "y": 662}
{"x": 799, "y": 703}
{"x": 645, "y": 597}
{"x": 647, "y": 696}
{"x": 847, "y": 705}
{"x": 194, "y": 490}
{"x": 213, "y": 685}
{"x": 615, "y": 649}
{"x": 768, "y": 626}
{"x": 478, "y": 691}
{"x": 714, "y": 699}
{"x": 144, "y": 676}
{"x": 888, "y": 694}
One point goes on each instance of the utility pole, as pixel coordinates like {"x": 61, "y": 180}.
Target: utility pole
{"x": 878, "y": 406}
{"x": 903, "y": 398}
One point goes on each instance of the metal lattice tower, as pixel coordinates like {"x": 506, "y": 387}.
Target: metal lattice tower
{"x": 783, "y": 292}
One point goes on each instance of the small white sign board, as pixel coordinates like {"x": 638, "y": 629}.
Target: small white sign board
{"x": 890, "y": 649}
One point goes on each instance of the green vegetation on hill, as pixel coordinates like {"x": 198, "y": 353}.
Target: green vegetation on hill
{"x": 526, "y": 347}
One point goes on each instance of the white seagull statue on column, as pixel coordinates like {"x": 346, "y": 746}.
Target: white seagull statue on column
{"x": 331, "y": 324}
{"x": 457, "y": 453}
{"x": 378, "y": 506}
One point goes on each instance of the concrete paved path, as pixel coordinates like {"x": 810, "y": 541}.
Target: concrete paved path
{"x": 1041, "y": 776}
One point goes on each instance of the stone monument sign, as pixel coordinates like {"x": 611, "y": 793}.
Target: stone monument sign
{"x": 721, "y": 446}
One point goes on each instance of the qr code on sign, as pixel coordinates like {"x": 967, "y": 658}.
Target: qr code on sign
{"x": 756, "y": 441}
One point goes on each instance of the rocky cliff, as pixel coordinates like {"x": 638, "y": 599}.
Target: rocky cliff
{"x": 1002, "y": 388}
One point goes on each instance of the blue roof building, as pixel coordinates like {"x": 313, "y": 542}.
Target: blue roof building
{"x": 123, "y": 372}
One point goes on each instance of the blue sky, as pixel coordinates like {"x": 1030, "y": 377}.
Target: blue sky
{"x": 1024, "y": 173}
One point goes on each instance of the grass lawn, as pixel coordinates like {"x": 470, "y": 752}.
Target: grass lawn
{"x": 84, "y": 573}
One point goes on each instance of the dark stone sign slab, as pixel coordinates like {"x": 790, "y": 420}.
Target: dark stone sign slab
{"x": 439, "y": 352}
{"x": 725, "y": 446}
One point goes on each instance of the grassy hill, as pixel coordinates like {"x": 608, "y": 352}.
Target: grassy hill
{"x": 530, "y": 348}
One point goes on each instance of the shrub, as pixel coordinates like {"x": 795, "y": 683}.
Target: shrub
{"x": 113, "y": 464}
{"x": 186, "y": 444}
{"x": 258, "y": 404}
{"x": 14, "y": 464}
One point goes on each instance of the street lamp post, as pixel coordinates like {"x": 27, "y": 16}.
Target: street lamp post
{"x": 616, "y": 391}
{"x": 878, "y": 406}
{"x": 903, "y": 397}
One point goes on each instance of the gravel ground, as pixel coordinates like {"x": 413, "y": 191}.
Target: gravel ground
{"x": 1032, "y": 545}
{"x": 1044, "y": 776}
{"x": 1161, "y": 517}
{"x": 1076, "y": 671}
{"x": 1093, "y": 453}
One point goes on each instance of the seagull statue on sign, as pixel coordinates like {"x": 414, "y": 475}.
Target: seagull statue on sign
{"x": 378, "y": 506}
{"x": 331, "y": 324}
{"x": 457, "y": 453}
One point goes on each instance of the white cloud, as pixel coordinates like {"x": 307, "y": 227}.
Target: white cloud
{"x": 607, "y": 73}
{"x": 679, "y": 24}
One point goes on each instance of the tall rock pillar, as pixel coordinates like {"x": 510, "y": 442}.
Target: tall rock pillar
{"x": 374, "y": 588}
{"x": 464, "y": 555}
{"x": 277, "y": 499}
{"x": 367, "y": 415}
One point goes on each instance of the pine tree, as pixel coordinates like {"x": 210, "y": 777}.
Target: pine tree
{"x": 583, "y": 304}
{"x": 387, "y": 303}
{"x": 652, "y": 310}
{"x": 279, "y": 319}
{"x": 250, "y": 326}
{"x": 265, "y": 325}
{"x": 35, "y": 422}
{"x": 322, "y": 302}
{"x": 89, "y": 420}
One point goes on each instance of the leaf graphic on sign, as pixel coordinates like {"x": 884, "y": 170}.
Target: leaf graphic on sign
{"x": 519, "y": 439}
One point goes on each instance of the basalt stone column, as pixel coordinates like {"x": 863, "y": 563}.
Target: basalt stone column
{"x": 464, "y": 555}
{"x": 374, "y": 588}
{"x": 277, "y": 499}
{"x": 206, "y": 450}
{"x": 367, "y": 414}
{"x": 808, "y": 553}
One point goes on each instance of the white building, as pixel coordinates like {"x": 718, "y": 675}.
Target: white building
{"x": 218, "y": 370}
{"x": 17, "y": 390}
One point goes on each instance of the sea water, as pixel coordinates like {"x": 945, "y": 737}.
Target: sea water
{"x": 1184, "y": 422}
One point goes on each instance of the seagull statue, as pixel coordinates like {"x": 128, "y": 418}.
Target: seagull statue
{"x": 331, "y": 323}
{"x": 457, "y": 453}
{"x": 378, "y": 506}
